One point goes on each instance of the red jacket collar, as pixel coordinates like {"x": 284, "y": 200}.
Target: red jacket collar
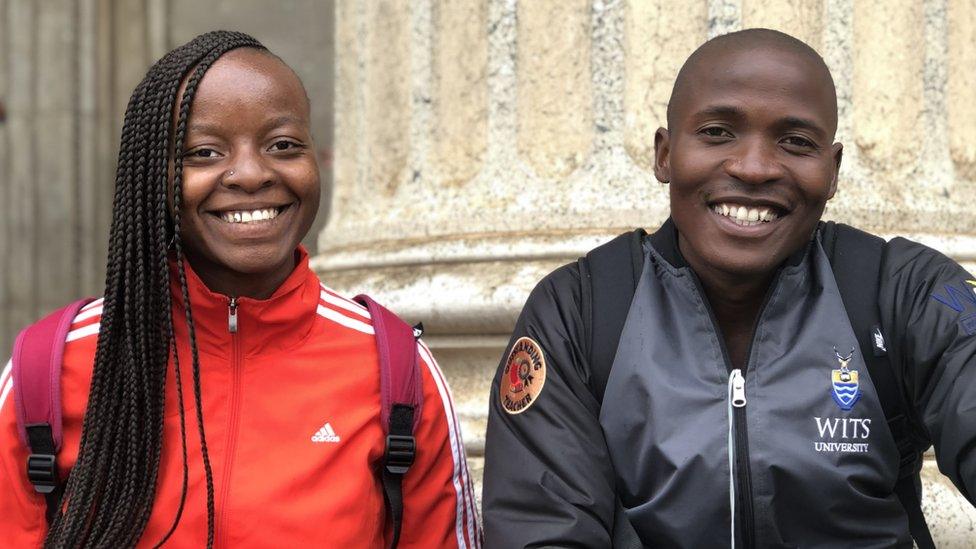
{"x": 263, "y": 325}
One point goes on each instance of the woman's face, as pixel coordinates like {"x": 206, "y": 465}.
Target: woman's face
{"x": 250, "y": 177}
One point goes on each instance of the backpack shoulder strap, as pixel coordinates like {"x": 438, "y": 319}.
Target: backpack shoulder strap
{"x": 856, "y": 258}
{"x": 37, "y": 357}
{"x": 401, "y": 394}
{"x": 608, "y": 279}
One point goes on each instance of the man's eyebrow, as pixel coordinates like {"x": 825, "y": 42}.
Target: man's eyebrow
{"x": 727, "y": 111}
{"x": 731, "y": 111}
{"x": 803, "y": 123}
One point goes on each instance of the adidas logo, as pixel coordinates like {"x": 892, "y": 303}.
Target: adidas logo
{"x": 325, "y": 434}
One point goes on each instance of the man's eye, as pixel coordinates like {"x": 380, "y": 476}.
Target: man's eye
{"x": 798, "y": 141}
{"x": 716, "y": 131}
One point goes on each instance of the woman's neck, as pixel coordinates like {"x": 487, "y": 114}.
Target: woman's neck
{"x": 259, "y": 285}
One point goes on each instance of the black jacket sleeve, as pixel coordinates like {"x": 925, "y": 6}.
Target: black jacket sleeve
{"x": 548, "y": 479}
{"x": 928, "y": 305}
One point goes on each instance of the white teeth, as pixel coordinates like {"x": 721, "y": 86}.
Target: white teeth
{"x": 745, "y": 216}
{"x": 250, "y": 216}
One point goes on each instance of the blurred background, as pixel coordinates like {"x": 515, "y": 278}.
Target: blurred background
{"x": 470, "y": 147}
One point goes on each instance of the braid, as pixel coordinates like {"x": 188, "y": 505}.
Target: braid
{"x": 110, "y": 492}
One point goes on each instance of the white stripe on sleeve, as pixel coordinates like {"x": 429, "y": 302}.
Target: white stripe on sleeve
{"x": 465, "y": 504}
{"x": 473, "y": 528}
{"x": 340, "y": 318}
{"x": 85, "y": 331}
{"x": 7, "y": 371}
{"x": 93, "y": 304}
{"x": 342, "y": 303}
{"x": 85, "y": 315}
{"x": 6, "y": 382}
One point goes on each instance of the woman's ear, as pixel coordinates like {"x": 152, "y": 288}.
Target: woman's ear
{"x": 662, "y": 155}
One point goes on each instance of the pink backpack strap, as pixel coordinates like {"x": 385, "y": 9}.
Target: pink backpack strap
{"x": 37, "y": 357}
{"x": 401, "y": 394}
{"x": 399, "y": 373}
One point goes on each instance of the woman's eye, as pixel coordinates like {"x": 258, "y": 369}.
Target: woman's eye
{"x": 202, "y": 153}
{"x": 284, "y": 146}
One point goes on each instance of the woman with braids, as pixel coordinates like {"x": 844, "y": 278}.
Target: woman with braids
{"x": 219, "y": 395}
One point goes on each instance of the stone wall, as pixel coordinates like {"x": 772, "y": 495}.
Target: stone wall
{"x": 67, "y": 69}
{"x": 480, "y": 144}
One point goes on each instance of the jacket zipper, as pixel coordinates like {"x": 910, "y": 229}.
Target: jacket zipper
{"x": 737, "y": 399}
{"x": 740, "y": 482}
{"x": 233, "y": 423}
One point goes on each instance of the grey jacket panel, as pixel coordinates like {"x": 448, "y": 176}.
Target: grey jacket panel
{"x": 931, "y": 313}
{"x": 666, "y": 419}
{"x": 820, "y": 475}
{"x": 548, "y": 477}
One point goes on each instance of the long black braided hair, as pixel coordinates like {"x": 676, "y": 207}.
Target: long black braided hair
{"x": 109, "y": 494}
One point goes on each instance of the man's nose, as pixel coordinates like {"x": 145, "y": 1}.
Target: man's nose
{"x": 754, "y": 161}
{"x": 249, "y": 171}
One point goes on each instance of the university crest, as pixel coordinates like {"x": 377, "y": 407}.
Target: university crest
{"x": 845, "y": 388}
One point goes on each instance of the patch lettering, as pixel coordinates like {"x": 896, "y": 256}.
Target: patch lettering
{"x": 850, "y": 430}
{"x": 523, "y": 376}
{"x": 957, "y": 299}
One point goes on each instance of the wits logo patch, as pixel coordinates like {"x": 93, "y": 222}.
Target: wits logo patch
{"x": 844, "y": 382}
{"x": 957, "y": 299}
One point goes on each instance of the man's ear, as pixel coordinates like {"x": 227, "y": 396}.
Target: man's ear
{"x": 662, "y": 155}
{"x": 837, "y": 153}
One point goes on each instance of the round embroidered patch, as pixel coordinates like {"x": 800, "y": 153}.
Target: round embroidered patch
{"x": 523, "y": 376}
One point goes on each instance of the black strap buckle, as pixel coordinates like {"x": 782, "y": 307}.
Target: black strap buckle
{"x": 42, "y": 472}
{"x": 400, "y": 451}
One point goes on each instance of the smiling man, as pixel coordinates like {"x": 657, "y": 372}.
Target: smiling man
{"x": 747, "y": 375}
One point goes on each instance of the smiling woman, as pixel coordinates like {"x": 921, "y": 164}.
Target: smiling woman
{"x": 216, "y": 186}
{"x": 250, "y": 177}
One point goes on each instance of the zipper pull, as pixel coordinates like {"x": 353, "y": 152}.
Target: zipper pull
{"x": 232, "y": 315}
{"x": 738, "y": 383}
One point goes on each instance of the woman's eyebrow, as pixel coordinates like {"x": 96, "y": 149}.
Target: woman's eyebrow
{"x": 203, "y": 127}
{"x": 280, "y": 121}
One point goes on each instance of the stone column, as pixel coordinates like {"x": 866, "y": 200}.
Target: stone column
{"x": 479, "y": 145}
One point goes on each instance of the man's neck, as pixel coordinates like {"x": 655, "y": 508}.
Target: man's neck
{"x": 735, "y": 300}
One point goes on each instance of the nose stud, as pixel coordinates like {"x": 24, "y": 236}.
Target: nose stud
{"x": 231, "y": 173}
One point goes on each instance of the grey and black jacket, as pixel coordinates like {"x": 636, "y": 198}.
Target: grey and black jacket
{"x": 807, "y": 459}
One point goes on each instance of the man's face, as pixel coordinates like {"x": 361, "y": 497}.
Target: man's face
{"x": 250, "y": 177}
{"x": 749, "y": 158}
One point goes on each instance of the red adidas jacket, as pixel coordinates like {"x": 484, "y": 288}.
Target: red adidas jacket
{"x": 292, "y": 414}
